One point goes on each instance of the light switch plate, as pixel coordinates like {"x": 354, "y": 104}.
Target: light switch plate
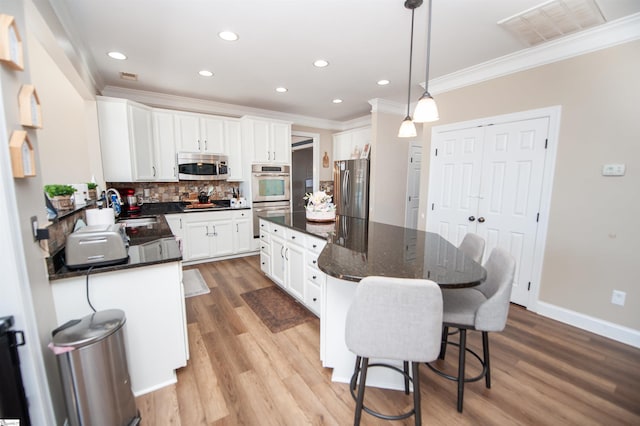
{"x": 613, "y": 170}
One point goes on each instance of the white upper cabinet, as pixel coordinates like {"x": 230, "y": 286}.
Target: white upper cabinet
{"x": 350, "y": 144}
{"x": 269, "y": 139}
{"x": 126, "y": 141}
{"x": 164, "y": 145}
{"x": 141, "y": 133}
{"x": 200, "y": 133}
{"x": 233, "y": 139}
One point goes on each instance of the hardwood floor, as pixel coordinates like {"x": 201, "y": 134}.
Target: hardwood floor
{"x": 239, "y": 373}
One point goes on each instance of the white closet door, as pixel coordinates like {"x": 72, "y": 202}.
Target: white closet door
{"x": 454, "y": 183}
{"x": 512, "y": 176}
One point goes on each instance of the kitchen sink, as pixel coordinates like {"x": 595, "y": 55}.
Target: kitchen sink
{"x": 138, "y": 221}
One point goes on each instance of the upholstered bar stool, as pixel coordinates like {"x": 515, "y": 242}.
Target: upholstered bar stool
{"x": 394, "y": 319}
{"x": 483, "y": 308}
{"x": 471, "y": 245}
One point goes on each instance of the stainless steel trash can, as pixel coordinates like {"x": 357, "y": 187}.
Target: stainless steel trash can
{"x": 94, "y": 372}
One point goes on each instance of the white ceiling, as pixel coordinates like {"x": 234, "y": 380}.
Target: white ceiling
{"x": 168, "y": 41}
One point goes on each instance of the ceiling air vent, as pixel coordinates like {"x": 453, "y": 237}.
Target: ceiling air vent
{"x": 553, "y": 19}
{"x": 129, "y": 76}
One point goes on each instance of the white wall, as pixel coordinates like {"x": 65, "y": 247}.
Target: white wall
{"x": 593, "y": 236}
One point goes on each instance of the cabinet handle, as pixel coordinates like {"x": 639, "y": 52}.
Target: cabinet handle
{"x": 237, "y": 230}
{"x": 263, "y": 263}
{"x": 293, "y": 237}
{"x": 174, "y": 171}
{"x": 180, "y": 223}
{"x": 281, "y": 249}
{"x": 268, "y": 155}
{"x": 314, "y": 277}
{"x": 274, "y": 156}
{"x": 205, "y": 144}
{"x": 154, "y": 170}
{"x": 314, "y": 246}
{"x": 315, "y": 299}
{"x": 315, "y": 261}
{"x": 198, "y": 144}
{"x": 215, "y": 231}
{"x": 285, "y": 253}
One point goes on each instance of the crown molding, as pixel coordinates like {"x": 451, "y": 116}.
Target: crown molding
{"x": 183, "y": 103}
{"x": 386, "y": 106}
{"x": 616, "y": 32}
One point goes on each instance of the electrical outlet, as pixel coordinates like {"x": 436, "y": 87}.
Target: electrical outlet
{"x": 617, "y": 298}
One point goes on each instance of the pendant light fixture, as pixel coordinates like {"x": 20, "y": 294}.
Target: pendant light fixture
{"x": 407, "y": 128}
{"x": 426, "y": 110}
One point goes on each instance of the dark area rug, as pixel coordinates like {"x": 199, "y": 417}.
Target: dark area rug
{"x": 276, "y": 309}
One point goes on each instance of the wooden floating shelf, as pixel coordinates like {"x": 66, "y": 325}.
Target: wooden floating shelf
{"x": 23, "y": 159}
{"x": 10, "y": 43}
{"x": 30, "y": 111}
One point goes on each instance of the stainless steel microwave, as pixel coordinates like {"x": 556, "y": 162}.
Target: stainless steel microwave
{"x": 197, "y": 166}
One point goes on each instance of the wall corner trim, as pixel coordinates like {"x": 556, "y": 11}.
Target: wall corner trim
{"x": 594, "y": 325}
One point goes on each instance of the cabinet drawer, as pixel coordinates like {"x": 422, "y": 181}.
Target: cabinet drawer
{"x": 315, "y": 244}
{"x": 315, "y": 275}
{"x": 265, "y": 247}
{"x": 264, "y": 236}
{"x": 312, "y": 259}
{"x": 265, "y": 263}
{"x": 295, "y": 237}
{"x": 278, "y": 230}
{"x": 312, "y": 297}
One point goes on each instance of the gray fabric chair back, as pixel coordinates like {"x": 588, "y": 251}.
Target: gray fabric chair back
{"x": 395, "y": 318}
{"x": 501, "y": 270}
{"x": 473, "y": 246}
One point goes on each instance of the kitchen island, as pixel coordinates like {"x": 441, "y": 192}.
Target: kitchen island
{"x": 148, "y": 288}
{"x": 356, "y": 248}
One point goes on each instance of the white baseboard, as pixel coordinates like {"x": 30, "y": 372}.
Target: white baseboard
{"x": 600, "y": 327}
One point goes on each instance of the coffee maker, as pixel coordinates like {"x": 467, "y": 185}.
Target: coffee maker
{"x": 131, "y": 206}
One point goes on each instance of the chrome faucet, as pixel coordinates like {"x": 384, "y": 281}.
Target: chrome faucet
{"x": 114, "y": 200}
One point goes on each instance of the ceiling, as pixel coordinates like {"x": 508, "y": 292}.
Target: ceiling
{"x": 168, "y": 41}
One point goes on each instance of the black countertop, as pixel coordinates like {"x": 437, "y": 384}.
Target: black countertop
{"x": 358, "y": 248}
{"x": 148, "y": 245}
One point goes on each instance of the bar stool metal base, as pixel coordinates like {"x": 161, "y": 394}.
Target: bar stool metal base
{"x": 361, "y": 368}
{"x": 460, "y": 378}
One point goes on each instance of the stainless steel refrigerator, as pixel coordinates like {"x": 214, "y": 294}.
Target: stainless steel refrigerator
{"x": 351, "y": 188}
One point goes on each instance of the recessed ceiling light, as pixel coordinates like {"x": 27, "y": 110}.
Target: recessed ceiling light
{"x": 205, "y": 73}
{"x": 228, "y": 35}
{"x": 281, "y": 89}
{"x": 320, "y": 63}
{"x": 337, "y": 101}
{"x": 117, "y": 55}
{"x": 383, "y": 82}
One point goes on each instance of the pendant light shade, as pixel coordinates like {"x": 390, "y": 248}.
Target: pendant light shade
{"x": 426, "y": 110}
{"x": 407, "y": 128}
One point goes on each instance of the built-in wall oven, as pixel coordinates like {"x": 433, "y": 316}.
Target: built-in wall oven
{"x": 270, "y": 192}
{"x": 270, "y": 183}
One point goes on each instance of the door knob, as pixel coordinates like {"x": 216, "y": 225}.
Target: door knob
{"x": 481, "y": 219}
{"x": 472, "y": 218}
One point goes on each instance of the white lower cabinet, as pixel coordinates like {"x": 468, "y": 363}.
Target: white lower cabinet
{"x": 208, "y": 235}
{"x": 152, "y": 298}
{"x": 290, "y": 259}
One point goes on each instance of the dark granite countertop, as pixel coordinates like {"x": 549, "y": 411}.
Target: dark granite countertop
{"x": 148, "y": 245}
{"x": 181, "y": 207}
{"x": 358, "y": 248}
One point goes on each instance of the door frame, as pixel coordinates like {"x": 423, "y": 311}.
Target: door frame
{"x": 316, "y": 154}
{"x": 553, "y": 114}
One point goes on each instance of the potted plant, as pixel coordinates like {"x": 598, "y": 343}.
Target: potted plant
{"x": 60, "y": 195}
{"x": 93, "y": 191}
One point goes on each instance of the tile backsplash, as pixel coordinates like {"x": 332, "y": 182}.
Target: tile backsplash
{"x": 178, "y": 191}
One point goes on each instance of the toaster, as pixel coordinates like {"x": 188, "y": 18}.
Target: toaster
{"x": 96, "y": 245}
